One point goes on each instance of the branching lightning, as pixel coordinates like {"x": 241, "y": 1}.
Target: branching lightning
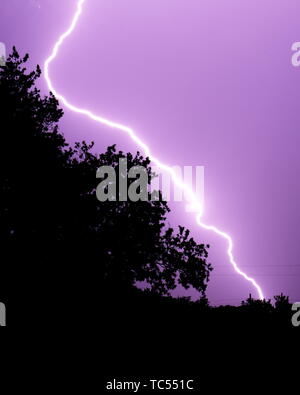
{"x": 197, "y": 207}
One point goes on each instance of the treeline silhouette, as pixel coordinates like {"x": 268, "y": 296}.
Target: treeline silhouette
{"x": 71, "y": 260}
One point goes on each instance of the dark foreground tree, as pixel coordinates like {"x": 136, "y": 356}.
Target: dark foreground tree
{"x": 137, "y": 246}
{"x": 57, "y": 235}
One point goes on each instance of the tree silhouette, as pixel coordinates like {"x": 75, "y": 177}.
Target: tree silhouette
{"x": 282, "y": 303}
{"x": 57, "y": 234}
{"x": 257, "y": 305}
{"x": 137, "y": 246}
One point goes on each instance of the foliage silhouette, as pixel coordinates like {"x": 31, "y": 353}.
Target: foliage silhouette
{"x": 50, "y": 217}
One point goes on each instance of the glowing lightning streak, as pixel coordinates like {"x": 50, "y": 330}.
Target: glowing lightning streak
{"x": 195, "y": 204}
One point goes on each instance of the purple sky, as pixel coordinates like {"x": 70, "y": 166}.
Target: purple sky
{"x": 204, "y": 82}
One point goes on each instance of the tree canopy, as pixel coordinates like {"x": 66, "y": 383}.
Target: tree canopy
{"x": 56, "y": 233}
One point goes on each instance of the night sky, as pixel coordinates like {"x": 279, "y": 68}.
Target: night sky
{"x": 203, "y": 82}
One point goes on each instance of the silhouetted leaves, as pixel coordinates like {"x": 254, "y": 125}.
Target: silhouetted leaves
{"x": 53, "y": 226}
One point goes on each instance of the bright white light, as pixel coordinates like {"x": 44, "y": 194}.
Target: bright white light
{"x": 189, "y": 193}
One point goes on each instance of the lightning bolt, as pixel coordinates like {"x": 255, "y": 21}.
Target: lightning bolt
{"x": 195, "y": 205}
